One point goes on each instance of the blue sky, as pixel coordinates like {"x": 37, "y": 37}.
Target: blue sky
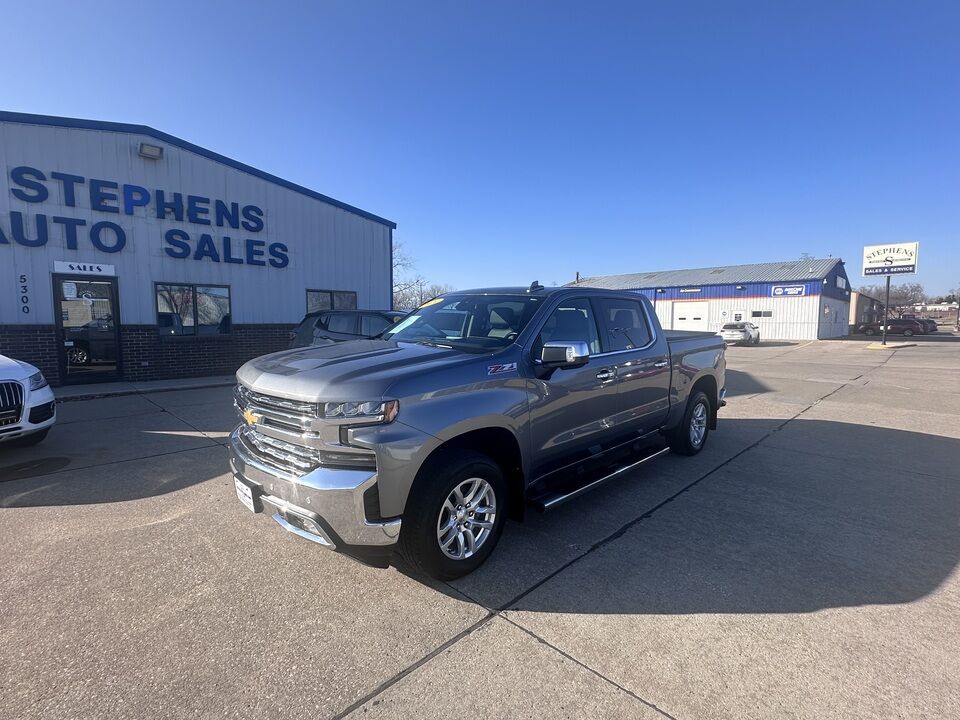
{"x": 514, "y": 141}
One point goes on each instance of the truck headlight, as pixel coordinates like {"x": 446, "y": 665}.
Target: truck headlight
{"x": 37, "y": 381}
{"x": 374, "y": 411}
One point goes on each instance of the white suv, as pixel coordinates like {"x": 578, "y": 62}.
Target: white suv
{"x": 27, "y": 406}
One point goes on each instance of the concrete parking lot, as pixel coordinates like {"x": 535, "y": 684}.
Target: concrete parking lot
{"x": 803, "y": 565}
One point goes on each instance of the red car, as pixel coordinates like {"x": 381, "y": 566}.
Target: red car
{"x": 896, "y": 326}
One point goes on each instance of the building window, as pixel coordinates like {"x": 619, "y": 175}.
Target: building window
{"x": 318, "y": 300}
{"x": 841, "y": 283}
{"x": 192, "y": 309}
{"x": 761, "y": 313}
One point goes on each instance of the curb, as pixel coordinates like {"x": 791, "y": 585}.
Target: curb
{"x": 892, "y": 346}
{"x": 150, "y": 391}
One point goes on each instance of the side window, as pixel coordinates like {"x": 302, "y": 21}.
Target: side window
{"x": 626, "y": 327}
{"x": 573, "y": 321}
{"x": 371, "y": 325}
{"x": 345, "y": 323}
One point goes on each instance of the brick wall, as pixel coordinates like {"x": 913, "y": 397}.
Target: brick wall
{"x": 148, "y": 356}
{"x": 35, "y": 344}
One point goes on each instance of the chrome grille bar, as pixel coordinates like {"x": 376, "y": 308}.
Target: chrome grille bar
{"x": 11, "y": 403}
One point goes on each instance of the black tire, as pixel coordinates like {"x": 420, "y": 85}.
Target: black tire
{"x": 757, "y": 341}
{"x": 31, "y": 439}
{"x": 419, "y": 541}
{"x": 869, "y": 331}
{"x": 680, "y": 439}
{"x": 78, "y": 355}
{"x": 908, "y": 333}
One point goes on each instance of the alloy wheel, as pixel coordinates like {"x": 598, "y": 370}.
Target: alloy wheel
{"x": 698, "y": 424}
{"x": 466, "y": 518}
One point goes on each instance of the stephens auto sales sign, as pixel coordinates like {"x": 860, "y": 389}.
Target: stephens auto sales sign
{"x": 892, "y": 259}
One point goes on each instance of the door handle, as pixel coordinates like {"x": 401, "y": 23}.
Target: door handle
{"x": 661, "y": 363}
{"x": 607, "y": 374}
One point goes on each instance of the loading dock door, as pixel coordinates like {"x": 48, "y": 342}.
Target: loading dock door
{"x": 690, "y": 315}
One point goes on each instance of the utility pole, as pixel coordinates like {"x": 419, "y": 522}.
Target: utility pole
{"x": 886, "y": 312}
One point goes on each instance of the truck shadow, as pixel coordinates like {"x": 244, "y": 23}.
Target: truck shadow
{"x": 742, "y": 383}
{"x": 817, "y": 515}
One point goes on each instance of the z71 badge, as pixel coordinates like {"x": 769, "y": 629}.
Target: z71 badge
{"x": 500, "y": 369}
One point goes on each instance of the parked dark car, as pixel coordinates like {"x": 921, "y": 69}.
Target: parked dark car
{"x": 94, "y": 341}
{"x": 330, "y": 326}
{"x": 896, "y": 326}
{"x": 929, "y": 324}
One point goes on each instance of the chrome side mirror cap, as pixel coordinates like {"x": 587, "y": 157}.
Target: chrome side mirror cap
{"x": 564, "y": 354}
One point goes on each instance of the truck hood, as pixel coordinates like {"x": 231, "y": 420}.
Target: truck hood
{"x": 358, "y": 370}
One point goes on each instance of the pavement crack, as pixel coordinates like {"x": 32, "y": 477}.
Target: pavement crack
{"x": 652, "y": 706}
{"x": 387, "y": 684}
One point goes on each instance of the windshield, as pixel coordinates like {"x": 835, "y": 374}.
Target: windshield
{"x": 473, "y": 323}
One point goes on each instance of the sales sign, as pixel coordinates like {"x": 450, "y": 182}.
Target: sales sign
{"x": 891, "y": 259}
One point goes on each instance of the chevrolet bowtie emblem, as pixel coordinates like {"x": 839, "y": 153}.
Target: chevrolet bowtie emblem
{"x": 250, "y": 417}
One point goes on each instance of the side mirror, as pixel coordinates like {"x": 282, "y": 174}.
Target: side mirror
{"x": 564, "y": 354}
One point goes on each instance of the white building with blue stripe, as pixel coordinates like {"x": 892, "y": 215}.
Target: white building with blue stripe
{"x": 805, "y": 299}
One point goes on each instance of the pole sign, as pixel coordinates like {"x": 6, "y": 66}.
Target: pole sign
{"x": 891, "y": 259}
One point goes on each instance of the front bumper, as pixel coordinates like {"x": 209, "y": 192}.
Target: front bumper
{"x": 37, "y": 412}
{"x": 325, "y": 505}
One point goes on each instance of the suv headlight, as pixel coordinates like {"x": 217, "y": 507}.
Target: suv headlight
{"x": 37, "y": 381}
{"x": 374, "y": 411}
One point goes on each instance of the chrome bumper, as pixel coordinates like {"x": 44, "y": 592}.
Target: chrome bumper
{"x": 325, "y": 505}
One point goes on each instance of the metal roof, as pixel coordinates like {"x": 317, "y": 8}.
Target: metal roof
{"x": 30, "y": 119}
{"x": 786, "y": 271}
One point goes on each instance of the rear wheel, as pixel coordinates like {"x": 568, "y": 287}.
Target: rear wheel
{"x": 455, "y": 515}
{"x": 908, "y": 333}
{"x": 691, "y": 435}
{"x": 869, "y": 331}
{"x": 757, "y": 341}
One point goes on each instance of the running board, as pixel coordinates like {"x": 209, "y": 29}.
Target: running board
{"x": 551, "y": 499}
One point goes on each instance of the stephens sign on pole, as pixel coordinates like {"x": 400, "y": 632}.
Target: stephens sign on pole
{"x": 892, "y": 259}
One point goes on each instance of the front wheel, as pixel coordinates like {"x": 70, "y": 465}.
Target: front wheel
{"x": 455, "y": 515}
{"x": 869, "y": 331}
{"x": 691, "y": 435}
{"x": 908, "y": 333}
{"x": 757, "y": 341}
{"x": 78, "y": 355}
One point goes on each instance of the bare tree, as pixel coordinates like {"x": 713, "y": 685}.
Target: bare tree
{"x": 902, "y": 297}
{"x": 410, "y": 288}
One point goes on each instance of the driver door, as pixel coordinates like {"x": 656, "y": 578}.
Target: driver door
{"x": 573, "y": 414}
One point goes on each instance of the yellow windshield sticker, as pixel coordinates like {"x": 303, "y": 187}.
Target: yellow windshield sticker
{"x": 431, "y": 302}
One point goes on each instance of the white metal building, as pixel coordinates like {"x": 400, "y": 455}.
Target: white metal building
{"x": 790, "y": 300}
{"x": 131, "y": 253}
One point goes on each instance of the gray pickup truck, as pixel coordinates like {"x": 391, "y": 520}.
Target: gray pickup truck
{"x": 475, "y": 407}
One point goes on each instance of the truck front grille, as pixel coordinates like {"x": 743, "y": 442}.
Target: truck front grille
{"x": 11, "y": 403}
{"x": 306, "y": 441}
{"x": 286, "y": 457}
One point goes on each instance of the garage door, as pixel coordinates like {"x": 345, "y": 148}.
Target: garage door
{"x": 690, "y": 315}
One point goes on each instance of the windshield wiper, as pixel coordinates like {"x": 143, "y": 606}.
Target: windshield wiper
{"x": 433, "y": 343}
